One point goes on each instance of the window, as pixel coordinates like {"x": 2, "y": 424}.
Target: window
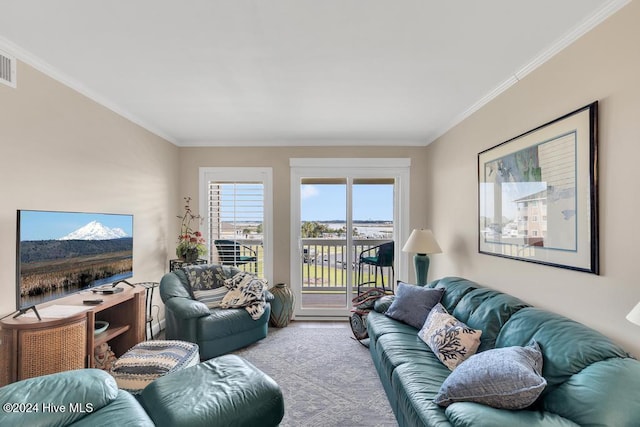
{"x": 236, "y": 204}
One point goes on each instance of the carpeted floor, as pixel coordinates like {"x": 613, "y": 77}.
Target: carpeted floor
{"x": 327, "y": 378}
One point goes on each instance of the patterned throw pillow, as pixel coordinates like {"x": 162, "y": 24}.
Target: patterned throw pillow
{"x": 207, "y": 283}
{"x": 506, "y": 378}
{"x": 450, "y": 340}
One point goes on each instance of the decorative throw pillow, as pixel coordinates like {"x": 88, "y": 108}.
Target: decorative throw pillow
{"x": 506, "y": 378}
{"x": 450, "y": 340}
{"x": 412, "y": 304}
{"x": 207, "y": 284}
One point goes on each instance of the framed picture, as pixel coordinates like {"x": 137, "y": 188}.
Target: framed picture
{"x": 538, "y": 194}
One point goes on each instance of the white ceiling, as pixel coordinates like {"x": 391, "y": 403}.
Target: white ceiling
{"x": 293, "y": 72}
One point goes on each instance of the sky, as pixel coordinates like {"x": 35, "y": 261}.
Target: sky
{"x": 43, "y": 225}
{"x": 326, "y": 202}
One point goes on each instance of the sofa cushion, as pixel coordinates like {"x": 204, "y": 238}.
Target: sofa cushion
{"x": 567, "y": 346}
{"x": 456, "y": 288}
{"x": 604, "y": 393}
{"x": 415, "y": 385}
{"x": 507, "y": 378}
{"x": 469, "y": 414}
{"x": 413, "y": 303}
{"x": 488, "y": 310}
{"x": 225, "y": 323}
{"x": 395, "y": 349}
{"x": 450, "y": 340}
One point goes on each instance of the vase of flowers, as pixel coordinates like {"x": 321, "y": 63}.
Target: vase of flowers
{"x": 191, "y": 244}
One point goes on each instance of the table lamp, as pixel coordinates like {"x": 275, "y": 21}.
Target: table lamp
{"x": 421, "y": 242}
{"x": 634, "y": 315}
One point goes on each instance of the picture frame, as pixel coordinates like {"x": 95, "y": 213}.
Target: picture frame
{"x": 538, "y": 194}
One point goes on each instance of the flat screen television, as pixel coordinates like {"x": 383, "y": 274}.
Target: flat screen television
{"x": 60, "y": 253}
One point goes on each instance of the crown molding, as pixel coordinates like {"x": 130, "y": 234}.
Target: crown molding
{"x": 600, "y": 15}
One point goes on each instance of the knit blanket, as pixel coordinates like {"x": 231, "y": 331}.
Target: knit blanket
{"x": 246, "y": 290}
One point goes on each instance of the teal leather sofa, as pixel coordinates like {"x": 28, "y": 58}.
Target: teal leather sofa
{"x": 590, "y": 380}
{"x": 217, "y": 331}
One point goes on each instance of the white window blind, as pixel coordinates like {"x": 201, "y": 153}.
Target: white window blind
{"x": 237, "y": 204}
{"x": 236, "y": 223}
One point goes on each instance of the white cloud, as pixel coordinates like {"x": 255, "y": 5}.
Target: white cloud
{"x": 308, "y": 191}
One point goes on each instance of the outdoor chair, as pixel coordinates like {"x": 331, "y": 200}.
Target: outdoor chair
{"x": 236, "y": 254}
{"x": 379, "y": 257}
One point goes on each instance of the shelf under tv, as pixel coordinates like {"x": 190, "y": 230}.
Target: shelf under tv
{"x": 38, "y": 347}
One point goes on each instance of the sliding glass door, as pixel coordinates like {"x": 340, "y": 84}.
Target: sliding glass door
{"x": 343, "y": 218}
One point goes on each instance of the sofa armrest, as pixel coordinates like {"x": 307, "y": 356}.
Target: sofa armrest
{"x": 468, "y": 414}
{"x": 382, "y": 304}
{"x": 186, "y": 308}
{"x": 268, "y": 296}
{"x": 39, "y": 401}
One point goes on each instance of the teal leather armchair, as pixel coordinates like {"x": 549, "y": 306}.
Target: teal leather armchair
{"x": 217, "y": 331}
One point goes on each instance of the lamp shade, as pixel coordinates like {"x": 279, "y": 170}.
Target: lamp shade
{"x": 421, "y": 242}
{"x": 634, "y": 315}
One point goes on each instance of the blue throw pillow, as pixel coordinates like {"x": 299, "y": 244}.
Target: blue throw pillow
{"x": 505, "y": 378}
{"x": 413, "y": 303}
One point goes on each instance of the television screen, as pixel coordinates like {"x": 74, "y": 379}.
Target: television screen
{"x": 60, "y": 253}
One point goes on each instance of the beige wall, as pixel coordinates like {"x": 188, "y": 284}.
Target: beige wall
{"x": 62, "y": 151}
{"x": 191, "y": 159}
{"x": 603, "y": 65}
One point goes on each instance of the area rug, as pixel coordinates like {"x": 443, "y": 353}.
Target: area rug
{"x": 327, "y": 378}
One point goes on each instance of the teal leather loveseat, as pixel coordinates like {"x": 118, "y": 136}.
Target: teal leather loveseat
{"x": 217, "y": 331}
{"x": 590, "y": 380}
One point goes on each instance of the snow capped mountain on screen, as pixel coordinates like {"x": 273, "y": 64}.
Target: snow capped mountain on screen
{"x": 95, "y": 231}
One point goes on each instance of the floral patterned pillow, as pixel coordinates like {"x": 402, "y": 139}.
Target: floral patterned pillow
{"x": 206, "y": 283}
{"x": 450, "y": 340}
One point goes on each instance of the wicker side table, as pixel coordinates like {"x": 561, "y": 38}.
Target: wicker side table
{"x": 63, "y": 341}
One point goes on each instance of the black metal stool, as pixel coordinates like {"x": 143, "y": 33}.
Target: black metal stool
{"x": 150, "y": 287}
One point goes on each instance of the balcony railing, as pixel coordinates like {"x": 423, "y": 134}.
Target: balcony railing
{"x": 325, "y": 265}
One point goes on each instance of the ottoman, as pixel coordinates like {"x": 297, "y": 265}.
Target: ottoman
{"x": 224, "y": 391}
{"x": 149, "y": 360}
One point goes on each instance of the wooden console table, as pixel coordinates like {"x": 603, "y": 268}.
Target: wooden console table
{"x": 40, "y": 347}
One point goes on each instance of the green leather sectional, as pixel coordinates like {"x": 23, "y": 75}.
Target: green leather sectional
{"x": 590, "y": 380}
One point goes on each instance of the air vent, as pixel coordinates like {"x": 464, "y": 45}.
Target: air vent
{"x": 7, "y": 69}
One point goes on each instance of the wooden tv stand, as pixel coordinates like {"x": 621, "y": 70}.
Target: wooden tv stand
{"x": 39, "y": 347}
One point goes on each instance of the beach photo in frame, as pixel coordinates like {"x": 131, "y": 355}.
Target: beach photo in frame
{"x": 538, "y": 194}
